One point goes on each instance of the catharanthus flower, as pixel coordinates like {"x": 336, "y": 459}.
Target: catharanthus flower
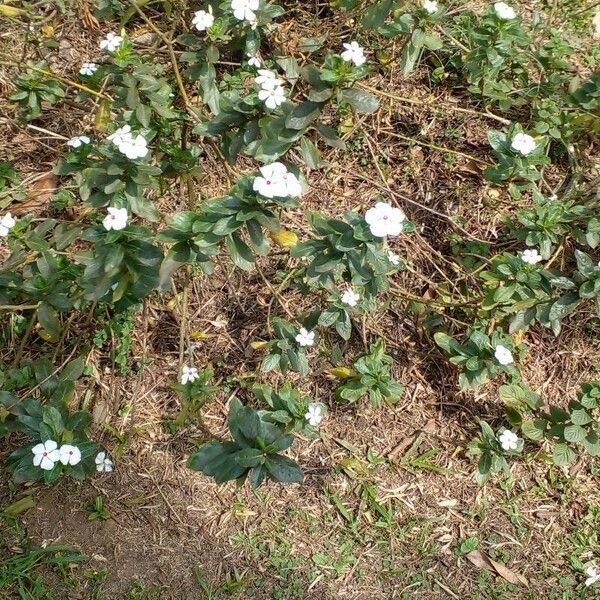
{"x": 132, "y": 147}
{"x": 203, "y": 20}
{"x": 504, "y": 11}
{"x": 254, "y": 60}
{"x": 314, "y": 414}
{"x": 508, "y": 440}
{"x": 135, "y": 147}
{"x": 275, "y": 181}
{"x": 121, "y": 135}
{"x": 592, "y": 575}
{"x": 523, "y": 144}
{"x": 531, "y": 257}
{"x": 305, "y": 338}
{"x": 115, "y": 219}
{"x": 7, "y": 222}
{"x": 350, "y": 297}
{"x": 103, "y": 463}
{"x": 267, "y": 79}
{"x": 46, "y": 455}
{"x": 78, "y": 141}
{"x": 88, "y": 69}
{"x": 354, "y": 54}
{"x": 384, "y": 219}
{"x": 69, "y": 455}
{"x": 189, "y": 374}
{"x": 431, "y": 6}
{"x": 111, "y": 42}
{"x": 393, "y": 258}
{"x": 243, "y": 10}
{"x": 272, "y": 98}
{"x": 503, "y": 355}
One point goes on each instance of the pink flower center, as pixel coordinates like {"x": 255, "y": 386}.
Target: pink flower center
{"x": 45, "y": 454}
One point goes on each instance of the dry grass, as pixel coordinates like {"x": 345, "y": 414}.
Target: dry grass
{"x": 327, "y": 538}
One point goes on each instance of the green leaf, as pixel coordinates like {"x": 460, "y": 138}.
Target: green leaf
{"x": 283, "y": 469}
{"x": 534, "y": 429}
{"x": 563, "y": 455}
{"x": 48, "y": 318}
{"x": 575, "y": 433}
{"x": 360, "y": 100}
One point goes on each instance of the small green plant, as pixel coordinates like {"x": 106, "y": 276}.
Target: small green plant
{"x": 480, "y": 358}
{"x": 254, "y": 451}
{"x": 34, "y": 88}
{"x": 193, "y": 396}
{"x": 97, "y": 511}
{"x": 371, "y": 378}
{"x": 492, "y": 451}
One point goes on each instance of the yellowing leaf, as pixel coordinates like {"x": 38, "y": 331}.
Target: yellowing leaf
{"x": 102, "y": 118}
{"x": 347, "y": 125}
{"x": 198, "y": 336}
{"x": 342, "y": 372}
{"x": 48, "y": 31}
{"x": 285, "y": 238}
{"x": 258, "y": 345}
{"x": 9, "y": 11}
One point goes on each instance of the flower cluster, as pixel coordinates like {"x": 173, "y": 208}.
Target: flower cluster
{"x": 271, "y": 88}
{"x": 275, "y": 181}
{"x": 7, "y": 222}
{"x": 47, "y": 454}
{"x": 131, "y": 146}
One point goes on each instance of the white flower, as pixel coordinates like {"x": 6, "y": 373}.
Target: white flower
{"x": 508, "y": 440}
{"x": 384, "y": 219}
{"x": 123, "y": 134}
{"x": 350, "y": 297}
{"x": 503, "y": 355}
{"x": 254, "y": 60}
{"x": 69, "y": 455}
{"x": 531, "y": 257}
{"x": 272, "y": 183}
{"x": 305, "y": 338}
{"x": 354, "y": 54}
{"x": 431, "y": 6}
{"x": 46, "y": 455}
{"x": 292, "y": 185}
{"x": 203, "y": 20}
{"x": 78, "y": 141}
{"x": 393, "y": 258}
{"x": 314, "y": 414}
{"x": 7, "y": 222}
{"x": 504, "y": 11}
{"x": 135, "y": 147}
{"x": 592, "y": 575}
{"x": 111, "y": 42}
{"x": 88, "y": 69}
{"x": 523, "y": 144}
{"x": 115, "y": 219}
{"x": 272, "y": 98}
{"x": 267, "y": 79}
{"x": 243, "y": 10}
{"x": 103, "y": 463}
{"x": 189, "y": 374}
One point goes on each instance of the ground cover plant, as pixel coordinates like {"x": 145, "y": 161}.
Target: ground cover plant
{"x": 300, "y": 300}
